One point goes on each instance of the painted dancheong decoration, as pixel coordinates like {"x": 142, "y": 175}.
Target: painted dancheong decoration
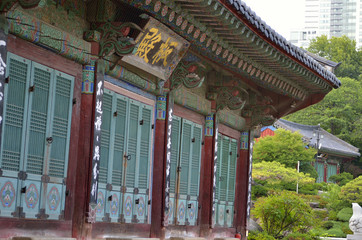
{"x": 159, "y": 50}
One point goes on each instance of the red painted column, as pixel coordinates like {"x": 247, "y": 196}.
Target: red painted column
{"x": 242, "y": 184}
{"x": 338, "y": 169}
{"x": 206, "y": 180}
{"x": 325, "y": 172}
{"x": 158, "y": 186}
{"x": 80, "y": 228}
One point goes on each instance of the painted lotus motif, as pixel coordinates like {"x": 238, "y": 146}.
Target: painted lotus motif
{"x": 7, "y": 194}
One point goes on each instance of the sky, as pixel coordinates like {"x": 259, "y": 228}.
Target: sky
{"x": 281, "y": 15}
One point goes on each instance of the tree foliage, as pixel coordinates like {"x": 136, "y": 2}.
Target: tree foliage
{"x": 275, "y": 173}
{"x": 340, "y": 112}
{"x": 339, "y": 49}
{"x": 284, "y": 212}
{"x": 284, "y": 147}
{"x": 352, "y": 191}
{"x": 342, "y": 178}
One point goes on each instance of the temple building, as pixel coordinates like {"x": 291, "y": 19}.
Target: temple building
{"x": 332, "y": 151}
{"x": 135, "y": 119}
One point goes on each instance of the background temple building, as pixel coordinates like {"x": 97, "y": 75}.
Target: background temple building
{"x": 135, "y": 119}
{"x": 332, "y": 151}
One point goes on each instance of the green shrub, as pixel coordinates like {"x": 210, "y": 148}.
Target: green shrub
{"x": 336, "y": 232}
{"x": 346, "y": 229}
{"x": 321, "y": 186}
{"x": 320, "y": 213}
{"x": 258, "y": 191}
{"x": 300, "y": 236}
{"x": 342, "y": 178}
{"x": 285, "y": 212}
{"x": 345, "y": 214}
{"x": 260, "y": 236}
{"x": 308, "y": 188}
{"x": 332, "y": 215}
{"x": 306, "y": 167}
{"x": 352, "y": 191}
{"x": 328, "y": 225}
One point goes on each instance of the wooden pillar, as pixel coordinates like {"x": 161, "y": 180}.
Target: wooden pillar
{"x": 80, "y": 227}
{"x": 206, "y": 180}
{"x": 157, "y": 210}
{"x": 338, "y": 168}
{"x": 242, "y": 184}
{"x": 325, "y": 172}
{"x": 3, "y": 54}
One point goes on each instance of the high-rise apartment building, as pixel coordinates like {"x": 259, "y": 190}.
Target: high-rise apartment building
{"x": 333, "y": 18}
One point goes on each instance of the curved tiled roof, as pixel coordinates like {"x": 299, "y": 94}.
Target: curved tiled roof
{"x": 280, "y": 41}
{"x": 330, "y": 143}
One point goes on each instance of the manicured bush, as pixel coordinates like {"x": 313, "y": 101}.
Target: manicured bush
{"x": 336, "y": 232}
{"x": 345, "y": 214}
{"x": 342, "y": 178}
{"x": 260, "y": 236}
{"x": 309, "y": 188}
{"x": 320, "y": 213}
{"x": 300, "y": 236}
{"x": 328, "y": 225}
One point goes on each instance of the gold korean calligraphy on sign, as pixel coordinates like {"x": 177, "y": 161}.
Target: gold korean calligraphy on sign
{"x": 159, "y": 50}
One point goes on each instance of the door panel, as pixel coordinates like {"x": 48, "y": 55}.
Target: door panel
{"x": 125, "y": 158}
{"x": 37, "y": 120}
{"x": 225, "y": 180}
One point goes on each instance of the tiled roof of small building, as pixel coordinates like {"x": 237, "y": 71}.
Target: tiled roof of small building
{"x": 259, "y": 25}
{"x": 330, "y": 143}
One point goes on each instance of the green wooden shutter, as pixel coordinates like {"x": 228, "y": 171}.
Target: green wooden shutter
{"x": 185, "y": 156}
{"x": 38, "y": 119}
{"x": 175, "y": 152}
{"x": 219, "y": 161}
{"x": 331, "y": 170}
{"x": 37, "y": 148}
{"x": 194, "y": 175}
{"x": 320, "y": 170}
{"x": 132, "y": 143}
{"x": 231, "y": 184}
{"x": 105, "y": 136}
{"x": 14, "y": 126}
{"x": 224, "y": 168}
{"x": 232, "y": 172}
{"x": 119, "y": 141}
{"x": 143, "y": 167}
{"x": 145, "y": 147}
{"x": 195, "y": 161}
{"x": 60, "y": 126}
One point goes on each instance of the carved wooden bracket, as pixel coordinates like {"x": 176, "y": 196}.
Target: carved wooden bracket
{"x": 115, "y": 40}
{"x": 189, "y": 74}
{"x": 6, "y": 5}
{"x": 259, "y": 115}
{"x": 232, "y": 97}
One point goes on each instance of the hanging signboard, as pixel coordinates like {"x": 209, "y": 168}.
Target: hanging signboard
{"x": 3, "y": 42}
{"x": 159, "y": 50}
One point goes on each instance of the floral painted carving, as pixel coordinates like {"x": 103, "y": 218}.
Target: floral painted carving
{"x": 114, "y": 39}
{"x": 190, "y": 74}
